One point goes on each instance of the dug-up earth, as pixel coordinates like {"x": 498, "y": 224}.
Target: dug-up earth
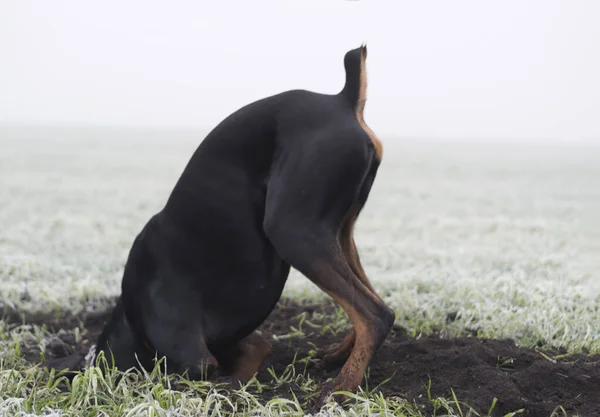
{"x": 476, "y": 370}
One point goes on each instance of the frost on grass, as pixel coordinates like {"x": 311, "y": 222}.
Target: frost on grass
{"x": 505, "y": 237}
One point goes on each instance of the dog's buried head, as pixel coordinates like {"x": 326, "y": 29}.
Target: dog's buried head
{"x": 277, "y": 184}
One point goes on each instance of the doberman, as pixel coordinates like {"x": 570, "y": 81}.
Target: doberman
{"x": 278, "y": 184}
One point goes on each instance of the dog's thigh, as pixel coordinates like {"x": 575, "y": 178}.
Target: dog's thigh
{"x": 303, "y": 221}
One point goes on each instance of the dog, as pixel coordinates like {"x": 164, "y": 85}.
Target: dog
{"x": 277, "y": 184}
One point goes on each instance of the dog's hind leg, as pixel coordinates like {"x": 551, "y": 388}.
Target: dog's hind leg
{"x": 336, "y": 355}
{"x": 325, "y": 265}
{"x": 304, "y": 216}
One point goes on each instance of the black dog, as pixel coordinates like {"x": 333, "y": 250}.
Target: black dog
{"x": 278, "y": 183}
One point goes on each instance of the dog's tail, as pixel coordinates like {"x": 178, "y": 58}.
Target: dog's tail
{"x": 355, "y": 89}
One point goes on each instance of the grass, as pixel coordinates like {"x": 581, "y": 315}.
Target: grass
{"x": 31, "y": 390}
{"x": 504, "y": 236}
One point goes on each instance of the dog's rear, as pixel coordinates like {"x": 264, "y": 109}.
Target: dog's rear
{"x": 310, "y": 213}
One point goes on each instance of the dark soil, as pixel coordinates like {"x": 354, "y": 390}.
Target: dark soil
{"x": 476, "y": 369}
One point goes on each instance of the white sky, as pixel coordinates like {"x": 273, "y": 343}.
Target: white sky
{"x": 446, "y": 69}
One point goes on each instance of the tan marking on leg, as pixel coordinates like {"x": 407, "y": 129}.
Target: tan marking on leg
{"x": 336, "y": 355}
{"x": 360, "y": 106}
{"x": 349, "y": 248}
{"x": 339, "y": 353}
{"x": 369, "y": 315}
{"x": 352, "y": 373}
{"x": 255, "y": 349}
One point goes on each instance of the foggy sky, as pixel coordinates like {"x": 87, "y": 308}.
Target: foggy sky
{"x": 444, "y": 69}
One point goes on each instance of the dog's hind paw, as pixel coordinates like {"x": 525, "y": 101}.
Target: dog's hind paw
{"x": 326, "y": 395}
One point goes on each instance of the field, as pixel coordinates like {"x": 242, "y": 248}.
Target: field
{"x": 488, "y": 253}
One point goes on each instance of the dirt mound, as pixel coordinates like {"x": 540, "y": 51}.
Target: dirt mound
{"x": 476, "y": 370}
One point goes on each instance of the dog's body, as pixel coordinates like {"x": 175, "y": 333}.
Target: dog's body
{"x": 278, "y": 183}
